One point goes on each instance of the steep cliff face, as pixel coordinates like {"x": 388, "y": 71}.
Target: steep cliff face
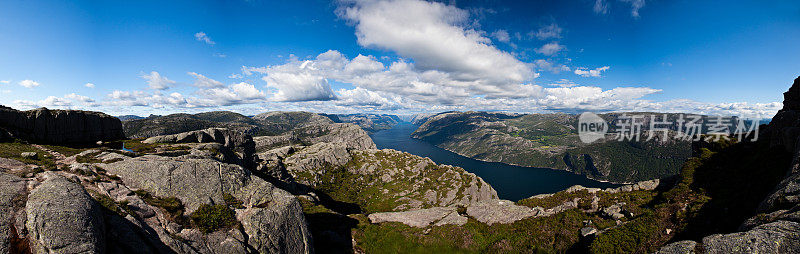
{"x": 59, "y": 126}
{"x": 775, "y": 226}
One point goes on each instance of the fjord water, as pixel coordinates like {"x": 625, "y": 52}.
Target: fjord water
{"x": 511, "y": 182}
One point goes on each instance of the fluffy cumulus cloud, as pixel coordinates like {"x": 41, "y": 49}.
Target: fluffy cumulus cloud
{"x": 156, "y": 81}
{"x": 435, "y": 36}
{"x": 591, "y": 72}
{"x": 203, "y": 37}
{"x": 240, "y": 93}
{"x": 69, "y": 101}
{"x": 89, "y": 85}
{"x": 550, "y": 49}
{"x": 28, "y": 83}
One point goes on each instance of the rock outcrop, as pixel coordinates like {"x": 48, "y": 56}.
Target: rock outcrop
{"x": 437, "y": 216}
{"x": 235, "y": 141}
{"x": 272, "y": 218}
{"x": 387, "y": 180}
{"x": 348, "y": 135}
{"x": 776, "y": 229}
{"x": 63, "y": 218}
{"x": 59, "y": 126}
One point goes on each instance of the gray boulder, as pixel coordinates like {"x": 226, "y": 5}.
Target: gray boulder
{"x": 682, "y": 247}
{"x": 776, "y": 237}
{"x": 59, "y": 126}
{"x": 63, "y": 218}
{"x": 272, "y": 219}
{"x": 12, "y": 192}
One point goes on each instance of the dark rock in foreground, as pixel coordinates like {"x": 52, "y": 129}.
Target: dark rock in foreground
{"x": 59, "y": 126}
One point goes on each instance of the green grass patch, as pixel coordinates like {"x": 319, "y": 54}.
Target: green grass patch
{"x": 13, "y": 150}
{"x": 210, "y": 218}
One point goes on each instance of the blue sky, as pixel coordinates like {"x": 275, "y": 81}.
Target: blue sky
{"x": 400, "y": 56}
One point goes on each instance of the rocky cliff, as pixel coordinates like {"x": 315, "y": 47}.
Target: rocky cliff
{"x": 59, "y": 126}
{"x": 775, "y": 228}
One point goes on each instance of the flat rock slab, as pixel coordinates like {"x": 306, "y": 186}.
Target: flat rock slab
{"x": 422, "y": 218}
{"x": 500, "y": 211}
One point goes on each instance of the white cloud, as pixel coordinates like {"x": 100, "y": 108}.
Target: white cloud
{"x": 5, "y": 81}
{"x": 69, "y": 101}
{"x": 501, "y": 35}
{"x": 240, "y": 93}
{"x": 549, "y": 49}
{"x": 89, "y": 85}
{"x": 201, "y": 36}
{"x": 205, "y": 82}
{"x": 552, "y": 31}
{"x": 551, "y": 67}
{"x": 591, "y": 73}
{"x": 299, "y": 86}
{"x": 434, "y": 36}
{"x": 29, "y": 83}
{"x": 80, "y": 98}
{"x": 363, "y": 64}
{"x": 156, "y": 81}
{"x": 220, "y": 55}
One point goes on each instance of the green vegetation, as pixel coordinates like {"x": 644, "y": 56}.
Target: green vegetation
{"x": 89, "y": 157}
{"x": 13, "y": 150}
{"x": 210, "y": 218}
{"x": 556, "y": 199}
{"x": 172, "y": 206}
{"x": 721, "y": 175}
{"x": 107, "y": 202}
{"x": 137, "y": 146}
{"x": 557, "y": 233}
{"x": 231, "y": 201}
{"x": 64, "y": 150}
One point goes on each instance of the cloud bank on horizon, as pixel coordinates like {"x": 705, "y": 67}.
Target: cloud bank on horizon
{"x": 429, "y": 57}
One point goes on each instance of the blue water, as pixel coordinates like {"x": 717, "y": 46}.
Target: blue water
{"x": 511, "y": 182}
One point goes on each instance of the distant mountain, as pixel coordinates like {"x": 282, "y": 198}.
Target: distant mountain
{"x": 270, "y": 123}
{"x": 129, "y": 117}
{"x": 368, "y": 122}
{"x": 552, "y": 141}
